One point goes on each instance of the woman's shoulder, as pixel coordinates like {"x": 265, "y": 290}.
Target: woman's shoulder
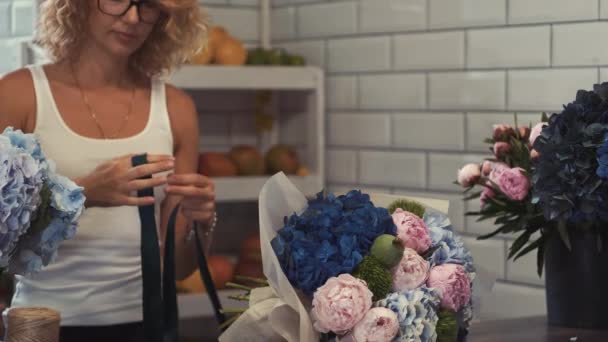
{"x": 17, "y": 99}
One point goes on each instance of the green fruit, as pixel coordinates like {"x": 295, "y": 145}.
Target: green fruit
{"x": 387, "y": 249}
{"x": 275, "y": 56}
{"x": 296, "y": 60}
{"x": 378, "y": 279}
{"x": 447, "y": 326}
{"x": 407, "y": 205}
{"x": 256, "y": 56}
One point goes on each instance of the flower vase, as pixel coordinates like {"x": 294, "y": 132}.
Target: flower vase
{"x": 576, "y": 281}
{"x": 32, "y": 325}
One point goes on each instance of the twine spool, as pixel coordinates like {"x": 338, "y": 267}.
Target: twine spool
{"x": 33, "y": 325}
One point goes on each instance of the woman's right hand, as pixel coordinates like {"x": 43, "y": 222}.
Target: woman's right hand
{"x": 115, "y": 182}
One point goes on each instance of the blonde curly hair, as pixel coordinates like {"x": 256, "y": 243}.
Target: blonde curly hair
{"x": 178, "y": 35}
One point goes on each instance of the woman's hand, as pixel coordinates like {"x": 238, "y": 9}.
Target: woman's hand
{"x": 115, "y": 182}
{"x": 198, "y": 196}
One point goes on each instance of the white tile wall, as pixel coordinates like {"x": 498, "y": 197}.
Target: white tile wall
{"x": 241, "y": 23}
{"x": 5, "y": 19}
{"x": 467, "y": 13}
{"x": 359, "y": 130}
{"x": 547, "y": 89}
{"x": 392, "y": 91}
{"x": 392, "y": 15}
{"x": 405, "y": 169}
{"x": 603, "y": 9}
{"x": 342, "y": 166}
{"x": 342, "y": 92}
{"x": 412, "y": 131}
{"x": 467, "y": 90}
{"x": 283, "y": 23}
{"x": 535, "y": 11}
{"x": 587, "y": 52}
{"x": 327, "y": 19}
{"x": 488, "y": 254}
{"x": 502, "y": 47}
{"x": 444, "y": 168}
{"x": 430, "y": 51}
{"x": 23, "y": 11}
{"x": 359, "y": 54}
{"x": 524, "y": 269}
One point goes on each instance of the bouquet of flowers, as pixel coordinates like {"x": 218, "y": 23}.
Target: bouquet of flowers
{"x": 38, "y": 207}
{"x": 343, "y": 268}
{"x": 548, "y": 179}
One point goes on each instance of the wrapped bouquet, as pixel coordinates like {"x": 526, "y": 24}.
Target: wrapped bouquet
{"x": 38, "y": 207}
{"x": 357, "y": 267}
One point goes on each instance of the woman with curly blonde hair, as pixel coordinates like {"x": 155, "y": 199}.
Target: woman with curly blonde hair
{"x": 100, "y": 101}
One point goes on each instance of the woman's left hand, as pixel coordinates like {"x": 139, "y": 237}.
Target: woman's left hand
{"x": 198, "y": 196}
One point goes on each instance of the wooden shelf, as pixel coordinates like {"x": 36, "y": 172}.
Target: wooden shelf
{"x": 232, "y": 189}
{"x": 194, "y": 305}
{"x": 247, "y": 77}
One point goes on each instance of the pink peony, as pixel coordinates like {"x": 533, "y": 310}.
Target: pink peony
{"x": 411, "y": 272}
{"x": 453, "y": 283}
{"x": 497, "y": 171}
{"x": 514, "y": 183}
{"x": 412, "y": 231}
{"x": 486, "y": 168}
{"x": 502, "y": 132}
{"x": 378, "y": 325}
{"x": 501, "y": 149}
{"x": 340, "y": 304}
{"x": 485, "y": 195}
{"x": 536, "y": 131}
{"x": 469, "y": 175}
{"x": 524, "y": 132}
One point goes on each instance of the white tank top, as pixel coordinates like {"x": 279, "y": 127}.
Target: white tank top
{"x": 96, "y": 278}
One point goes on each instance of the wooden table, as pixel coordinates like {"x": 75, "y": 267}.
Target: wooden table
{"x": 530, "y": 329}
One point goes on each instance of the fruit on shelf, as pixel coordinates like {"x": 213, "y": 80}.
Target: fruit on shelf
{"x": 230, "y": 51}
{"x": 282, "y": 158}
{"x": 248, "y": 160}
{"x": 250, "y": 258}
{"x": 222, "y": 271}
{"x": 274, "y": 56}
{"x": 214, "y": 164}
{"x": 220, "y": 48}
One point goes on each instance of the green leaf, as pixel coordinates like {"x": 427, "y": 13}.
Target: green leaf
{"x": 544, "y": 117}
{"x": 472, "y": 196}
{"x": 519, "y": 243}
{"x": 487, "y": 236}
{"x": 532, "y": 246}
{"x": 540, "y": 259}
{"x": 563, "y": 233}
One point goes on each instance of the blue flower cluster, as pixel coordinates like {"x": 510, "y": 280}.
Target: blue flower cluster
{"x": 416, "y": 312}
{"x": 329, "y": 238}
{"x": 567, "y": 177}
{"x": 38, "y": 208}
{"x": 446, "y": 245}
{"x": 602, "y": 159}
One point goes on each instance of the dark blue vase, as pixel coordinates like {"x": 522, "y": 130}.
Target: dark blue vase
{"x": 577, "y": 281}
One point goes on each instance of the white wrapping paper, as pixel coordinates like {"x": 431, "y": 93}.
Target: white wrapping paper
{"x": 279, "y": 312}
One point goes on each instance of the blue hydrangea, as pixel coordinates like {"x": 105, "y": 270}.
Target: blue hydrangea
{"x": 602, "y": 159}
{"x": 447, "y": 246}
{"x": 24, "y": 173}
{"x": 329, "y": 238}
{"x": 567, "y": 181}
{"x": 416, "y": 311}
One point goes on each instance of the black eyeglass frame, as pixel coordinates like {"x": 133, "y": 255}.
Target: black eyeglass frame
{"x": 137, "y": 5}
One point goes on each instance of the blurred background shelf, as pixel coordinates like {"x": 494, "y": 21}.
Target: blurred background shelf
{"x": 199, "y": 77}
{"x": 232, "y": 189}
{"x": 195, "y": 305}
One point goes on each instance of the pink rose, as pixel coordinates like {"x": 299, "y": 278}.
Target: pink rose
{"x": 487, "y": 193}
{"x": 514, "y": 183}
{"x": 469, "y": 175}
{"x": 411, "y": 272}
{"x": 412, "y": 231}
{"x": 378, "y": 325}
{"x": 536, "y": 131}
{"x": 501, "y": 149}
{"x": 502, "y": 132}
{"x": 340, "y": 304}
{"x": 453, "y": 283}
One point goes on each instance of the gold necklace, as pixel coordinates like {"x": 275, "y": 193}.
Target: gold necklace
{"x": 94, "y": 115}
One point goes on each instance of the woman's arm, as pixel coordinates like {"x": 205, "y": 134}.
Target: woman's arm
{"x": 17, "y": 101}
{"x": 184, "y": 124}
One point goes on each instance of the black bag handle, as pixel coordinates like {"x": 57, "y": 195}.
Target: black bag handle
{"x": 160, "y": 312}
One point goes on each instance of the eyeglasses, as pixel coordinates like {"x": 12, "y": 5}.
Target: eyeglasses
{"x": 147, "y": 11}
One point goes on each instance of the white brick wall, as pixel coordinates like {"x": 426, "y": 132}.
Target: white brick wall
{"x": 414, "y": 86}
